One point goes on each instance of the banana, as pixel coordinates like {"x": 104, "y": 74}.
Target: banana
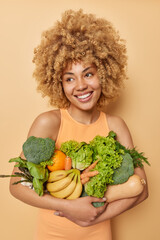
{"x": 65, "y": 192}
{"x": 61, "y": 184}
{"x": 77, "y": 191}
{"x": 58, "y": 174}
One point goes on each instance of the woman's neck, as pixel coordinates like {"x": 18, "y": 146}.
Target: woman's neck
{"x": 82, "y": 116}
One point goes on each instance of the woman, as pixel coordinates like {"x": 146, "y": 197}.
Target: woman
{"x": 81, "y": 66}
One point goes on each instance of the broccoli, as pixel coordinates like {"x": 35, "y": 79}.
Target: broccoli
{"x": 37, "y": 150}
{"x": 126, "y": 170}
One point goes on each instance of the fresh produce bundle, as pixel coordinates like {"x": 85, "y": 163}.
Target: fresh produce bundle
{"x": 80, "y": 169}
{"x": 33, "y": 171}
{"x": 114, "y": 164}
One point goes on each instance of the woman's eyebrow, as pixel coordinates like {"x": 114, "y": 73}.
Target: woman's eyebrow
{"x": 86, "y": 69}
{"x": 68, "y": 73}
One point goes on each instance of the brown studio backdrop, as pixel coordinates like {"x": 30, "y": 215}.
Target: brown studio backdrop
{"x": 22, "y": 22}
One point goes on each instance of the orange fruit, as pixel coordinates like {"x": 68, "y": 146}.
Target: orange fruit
{"x": 58, "y": 161}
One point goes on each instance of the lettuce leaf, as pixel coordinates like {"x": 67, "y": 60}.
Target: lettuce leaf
{"x": 104, "y": 149}
{"x": 80, "y": 153}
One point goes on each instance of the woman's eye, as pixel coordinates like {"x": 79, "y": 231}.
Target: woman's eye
{"x": 69, "y": 79}
{"x": 89, "y": 74}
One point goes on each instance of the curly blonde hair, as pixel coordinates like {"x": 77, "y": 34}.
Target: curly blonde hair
{"x": 80, "y": 37}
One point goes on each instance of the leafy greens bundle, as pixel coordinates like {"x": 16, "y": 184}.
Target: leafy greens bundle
{"x": 115, "y": 162}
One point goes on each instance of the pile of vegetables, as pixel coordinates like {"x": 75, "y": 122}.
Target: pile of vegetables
{"x": 115, "y": 162}
{"x": 102, "y": 163}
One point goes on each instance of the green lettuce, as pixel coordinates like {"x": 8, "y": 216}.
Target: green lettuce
{"x": 116, "y": 164}
{"x": 104, "y": 150}
{"x": 80, "y": 153}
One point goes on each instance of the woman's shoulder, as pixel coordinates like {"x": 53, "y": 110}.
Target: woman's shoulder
{"x": 119, "y": 126}
{"x": 115, "y": 122}
{"x": 49, "y": 117}
{"x": 46, "y": 124}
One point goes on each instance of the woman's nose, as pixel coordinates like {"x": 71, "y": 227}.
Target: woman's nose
{"x": 81, "y": 84}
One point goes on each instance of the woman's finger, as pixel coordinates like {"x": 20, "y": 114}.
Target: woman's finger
{"x": 101, "y": 209}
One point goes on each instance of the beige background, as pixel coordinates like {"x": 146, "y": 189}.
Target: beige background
{"x": 21, "y": 24}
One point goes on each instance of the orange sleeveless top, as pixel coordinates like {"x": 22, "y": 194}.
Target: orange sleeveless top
{"x": 51, "y": 227}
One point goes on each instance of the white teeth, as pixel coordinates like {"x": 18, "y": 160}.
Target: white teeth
{"x": 84, "y": 96}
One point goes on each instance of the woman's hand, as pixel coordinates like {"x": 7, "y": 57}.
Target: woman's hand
{"x": 81, "y": 211}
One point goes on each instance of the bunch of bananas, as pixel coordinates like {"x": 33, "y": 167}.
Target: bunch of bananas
{"x": 65, "y": 184}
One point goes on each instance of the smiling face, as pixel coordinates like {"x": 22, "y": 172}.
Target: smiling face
{"x": 81, "y": 86}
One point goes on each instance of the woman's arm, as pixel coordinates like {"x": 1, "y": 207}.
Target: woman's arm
{"x": 81, "y": 208}
{"x": 115, "y": 208}
{"x": 47, "y": 125}
{"x": 118, "y": 207}
{"x": 42, "y": 127}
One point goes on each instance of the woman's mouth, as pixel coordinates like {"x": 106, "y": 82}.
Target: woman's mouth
{"x": 84, "y": 97}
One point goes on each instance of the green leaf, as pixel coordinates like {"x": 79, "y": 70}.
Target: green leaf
{"x": 21, "y": 162}
{"x": 112, "y": 134}
{"x": 36, "y": 170}
{"x": 138, "y": 157}
{"x": 38, "y": 186}
{"x": 45, "y": 163}
{"x": 46, "y": 176}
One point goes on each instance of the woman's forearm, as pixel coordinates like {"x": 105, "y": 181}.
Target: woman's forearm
{"x": 117, "y": 207}
{"x": 80, "y": 209}
{"x": 29, "y": 196}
